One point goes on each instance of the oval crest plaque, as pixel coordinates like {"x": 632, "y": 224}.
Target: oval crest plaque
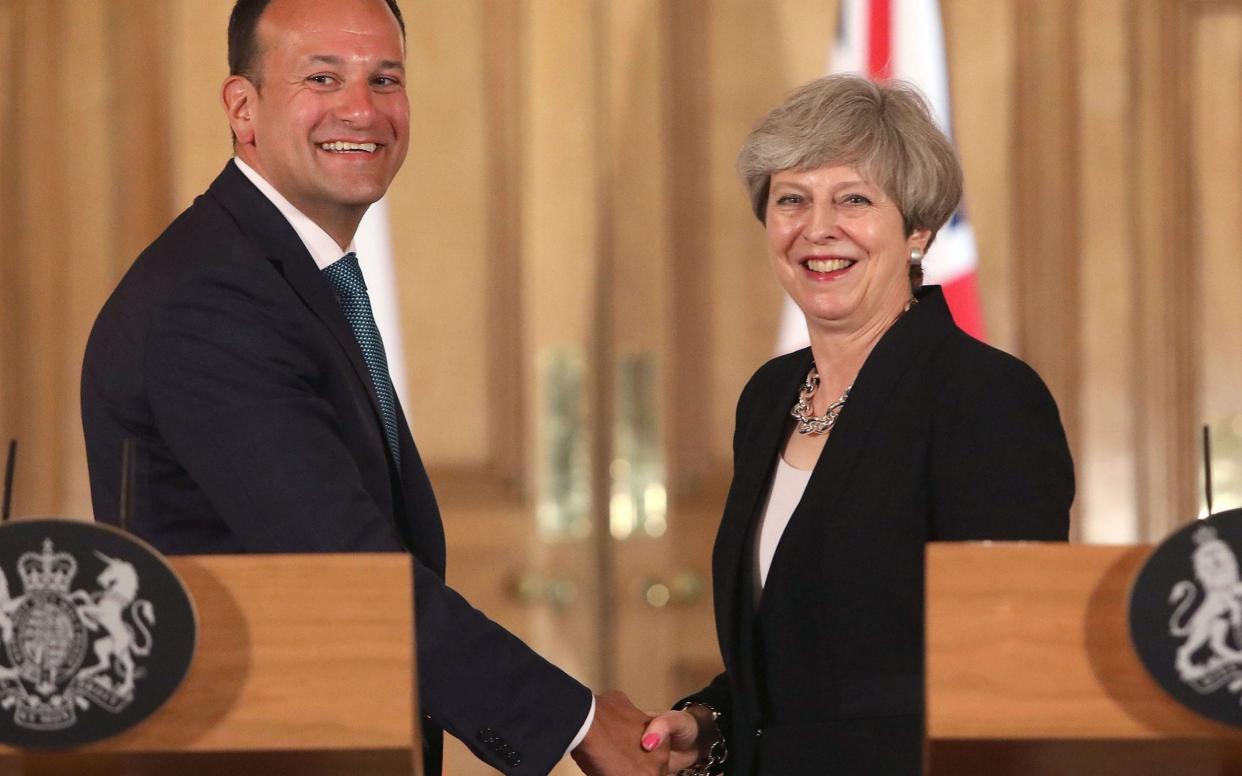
{"x": 1186, "y": 616}
{"x": 96, "y": 632}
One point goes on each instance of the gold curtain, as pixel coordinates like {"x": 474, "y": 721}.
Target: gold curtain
{"x": 1096, "y": 137}
{"x": 83, "y": 186}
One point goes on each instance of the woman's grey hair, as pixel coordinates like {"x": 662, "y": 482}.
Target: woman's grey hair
{"x": 884, "y": 130}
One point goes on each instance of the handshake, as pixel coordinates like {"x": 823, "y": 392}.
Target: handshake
{"x": 624, "y": 741}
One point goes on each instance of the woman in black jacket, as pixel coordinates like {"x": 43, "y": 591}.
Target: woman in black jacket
{"x": 894, "y": 428}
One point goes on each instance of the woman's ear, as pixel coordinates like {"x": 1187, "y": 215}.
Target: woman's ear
{"x": 919, "y": 239}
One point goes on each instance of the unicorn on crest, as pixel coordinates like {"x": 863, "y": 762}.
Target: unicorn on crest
{"x": 106, "y": 608}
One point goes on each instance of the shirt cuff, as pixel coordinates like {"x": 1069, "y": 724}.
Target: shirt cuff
{"x": 586, "y": 725}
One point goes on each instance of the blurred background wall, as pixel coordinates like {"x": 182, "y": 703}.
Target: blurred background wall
{"x": 584, "y": 292}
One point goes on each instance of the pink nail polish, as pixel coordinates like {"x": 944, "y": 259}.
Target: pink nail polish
{"x": 650, "y": 741}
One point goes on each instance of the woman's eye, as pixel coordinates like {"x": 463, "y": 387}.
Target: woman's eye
{"x": 856, "y": 199}
{"x": 788, "y": 199}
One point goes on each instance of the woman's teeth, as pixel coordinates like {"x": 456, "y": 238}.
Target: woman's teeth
{"x": 827, "y": 265}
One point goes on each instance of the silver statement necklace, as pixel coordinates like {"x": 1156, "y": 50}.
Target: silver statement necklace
{"x": 813, "y": 425}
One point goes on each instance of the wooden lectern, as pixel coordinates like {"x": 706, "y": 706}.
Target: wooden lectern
{"x": 1030, "y": 669}
{"x": 305, "y": 664}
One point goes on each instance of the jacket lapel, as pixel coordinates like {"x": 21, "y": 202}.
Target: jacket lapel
{"x": 259, "y": 219}
{"x": 763, "y": 431}
{"x": 914, "y": 333}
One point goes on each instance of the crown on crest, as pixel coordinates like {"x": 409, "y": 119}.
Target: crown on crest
{"x": 47, "y": 570}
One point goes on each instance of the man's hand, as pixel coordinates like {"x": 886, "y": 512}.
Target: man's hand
{"x": 612, "y": 745}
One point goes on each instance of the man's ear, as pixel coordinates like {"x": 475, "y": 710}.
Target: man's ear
{"x": 239, "y": 96}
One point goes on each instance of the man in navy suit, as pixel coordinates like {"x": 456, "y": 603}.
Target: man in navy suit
{"x": 239, "y": 355}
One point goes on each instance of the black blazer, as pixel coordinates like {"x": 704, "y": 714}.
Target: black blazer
{"x": 224, "y": 354}
{"x": 943, "y": 438}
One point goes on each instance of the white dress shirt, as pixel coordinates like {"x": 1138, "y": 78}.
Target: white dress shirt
{"x": 323, "y": 249}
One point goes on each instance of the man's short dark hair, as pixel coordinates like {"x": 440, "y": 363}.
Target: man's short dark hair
{"x": 244, "y": 38}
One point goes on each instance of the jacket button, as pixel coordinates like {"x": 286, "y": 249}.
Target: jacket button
{"x": 758, "y": 732}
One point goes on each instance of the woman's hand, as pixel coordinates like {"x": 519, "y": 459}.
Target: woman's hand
{"x": 682, "y": 729}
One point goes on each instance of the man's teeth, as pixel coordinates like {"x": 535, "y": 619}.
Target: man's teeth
{"x": 340, "y": 145}
{"x": 827, "y": 265}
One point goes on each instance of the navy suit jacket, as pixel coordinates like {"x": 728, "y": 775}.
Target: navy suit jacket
{"x": 943, "y": 438}
{"x": 224, "y": 354}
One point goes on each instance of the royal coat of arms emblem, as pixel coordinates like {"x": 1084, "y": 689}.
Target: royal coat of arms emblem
{"x": 1210, "y": 654}
{"x": 97, "y": 631}
{"x": 1186, "y": 616}
{"x": 67, "y": 649}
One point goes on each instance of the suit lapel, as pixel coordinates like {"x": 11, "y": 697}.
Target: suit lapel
{"x": 913, "y": 334}
{"x": 260, "y": 220}
{"x": 767, "y": 424}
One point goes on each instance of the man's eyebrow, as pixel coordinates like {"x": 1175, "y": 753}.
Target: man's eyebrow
{"x": 335, "y": 61}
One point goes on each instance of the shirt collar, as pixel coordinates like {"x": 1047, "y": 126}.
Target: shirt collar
{"x": 322, "y": 248}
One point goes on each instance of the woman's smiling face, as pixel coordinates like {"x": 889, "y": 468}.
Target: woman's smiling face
{"x": 839, "y": 248}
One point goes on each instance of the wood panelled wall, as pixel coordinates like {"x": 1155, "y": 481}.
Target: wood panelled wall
{"x": 573, "y": 159}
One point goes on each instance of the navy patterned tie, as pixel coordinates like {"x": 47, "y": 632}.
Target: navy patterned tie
{"x": 351, "y": 290}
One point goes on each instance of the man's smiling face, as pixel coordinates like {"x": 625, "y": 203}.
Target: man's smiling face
{"x": 327, "y": 123}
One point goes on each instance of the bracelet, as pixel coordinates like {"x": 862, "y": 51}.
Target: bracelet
{"x": 717, "y": 753}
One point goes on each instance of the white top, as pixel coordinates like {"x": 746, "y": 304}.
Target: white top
{"x": 324, "y": 250}
{"x": 788, "y": 485}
